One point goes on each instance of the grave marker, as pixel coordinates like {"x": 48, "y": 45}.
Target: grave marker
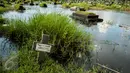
{"x": 42, "y": 47}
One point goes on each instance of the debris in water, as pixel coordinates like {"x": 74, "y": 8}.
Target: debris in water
{"x": 125, "y": 26}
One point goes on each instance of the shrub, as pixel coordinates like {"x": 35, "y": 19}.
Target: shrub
{"x": 43, "y": 4}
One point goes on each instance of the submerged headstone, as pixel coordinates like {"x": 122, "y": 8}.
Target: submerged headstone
{"x": 86, "y": 18}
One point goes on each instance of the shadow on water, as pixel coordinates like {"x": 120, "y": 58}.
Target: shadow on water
{"x": 110, "y": 39}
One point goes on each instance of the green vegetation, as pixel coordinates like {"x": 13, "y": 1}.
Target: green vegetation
{"x": 97, "y": 6}
{"x": 28, "y": 63}
{"x": 2, "y": 20}
{"x": 85, "y": 13}
{"x": 82, "y": 4}
{"x": 66, "y": 5}
{"x": 43, "y": 4}
{"x": 19, "y": 7}
{"x": 5, "y": 9}
{"x": 65, "y": 36}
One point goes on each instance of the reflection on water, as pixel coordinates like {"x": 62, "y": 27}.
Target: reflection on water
{"x": 31, "y": 10}
{"x": 111, "y": 41}
{"x": 6, "y": 48}
{"x": 103, "y": 28}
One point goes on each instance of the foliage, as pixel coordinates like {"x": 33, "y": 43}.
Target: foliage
{"x": 28, "y": 63}
{"x": 3, "y": 9}
{"x": 2, "y": 20}
{"x": 82, "y": 4}
{"x": 43, "y": 4}
{"x": 19, "y": 7}
{"x": 63, "y": 34}
{"x": 17, "y": 32}
{"x": 65, "y": 5}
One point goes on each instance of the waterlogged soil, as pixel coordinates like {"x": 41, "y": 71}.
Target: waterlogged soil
{"x": 111, "y": 37}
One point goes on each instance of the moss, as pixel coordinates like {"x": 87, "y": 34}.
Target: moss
{"x": 85, "y": 13}
{"x": 43, "y": 4}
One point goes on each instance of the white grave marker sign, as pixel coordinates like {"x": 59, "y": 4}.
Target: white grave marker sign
{"x": 43, "y": 47}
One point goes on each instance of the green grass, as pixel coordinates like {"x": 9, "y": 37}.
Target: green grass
{"x": 64, "y": 34}
{"x": 68, "y": 40}
{"x": 98, "y": 6}
{"x": 85, "y": 13}
{"x": 2, "y": 20}
{"x": 3, "y": 9}
{"x": 82, "y": 4}
{"x": 28, "y": 63}
{"x": 65, "y": 5}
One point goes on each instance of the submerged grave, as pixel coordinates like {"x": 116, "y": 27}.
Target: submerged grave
{"x": 86, "y": 17}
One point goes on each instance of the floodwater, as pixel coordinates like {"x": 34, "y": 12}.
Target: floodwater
{"x": 110, "y": 40}
{"x": 7, "y": 48}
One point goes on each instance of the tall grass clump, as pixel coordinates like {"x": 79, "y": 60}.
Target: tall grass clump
{"x": 67, "y": 38}
{"x": 17, "y": 32}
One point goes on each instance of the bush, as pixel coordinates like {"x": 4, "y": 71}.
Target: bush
{"x": 43, "y": 4}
